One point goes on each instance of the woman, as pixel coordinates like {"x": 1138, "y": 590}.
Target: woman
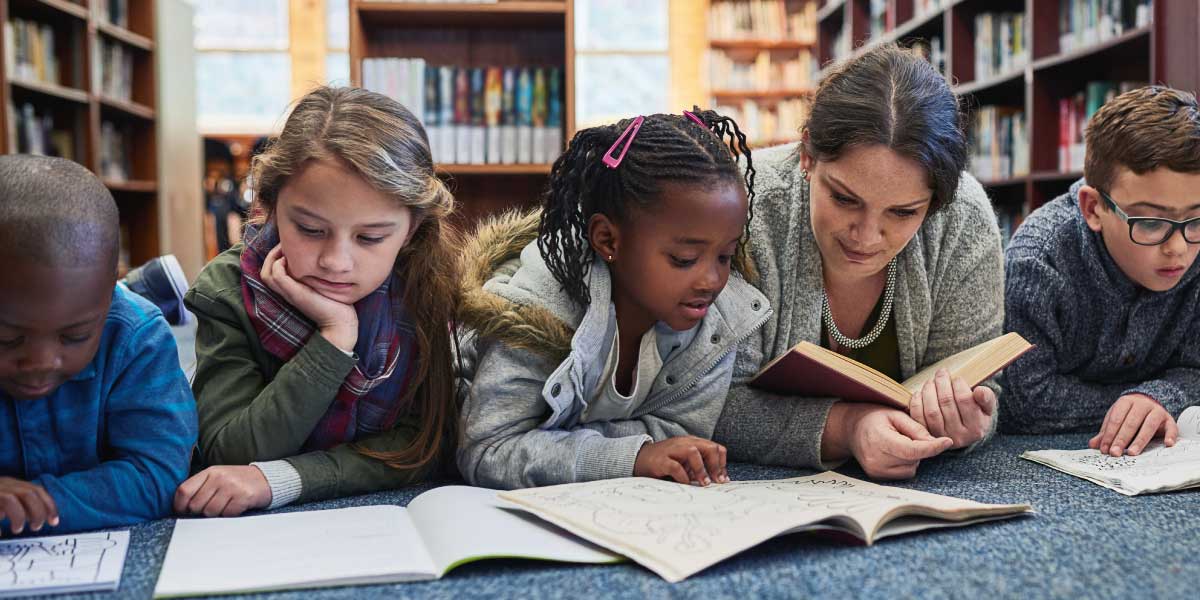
{"x": 871, "y": 242}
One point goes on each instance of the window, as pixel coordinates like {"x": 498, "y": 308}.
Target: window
{"x": 621, "y": 64}
{"x": 243, "y": 70}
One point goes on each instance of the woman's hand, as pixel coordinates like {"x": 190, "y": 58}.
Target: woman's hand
{"x": 947, "y": 407}
{"x": 336, "y": 321}
{"x": 886, "y": 442}
{"x": 223, "y": 491}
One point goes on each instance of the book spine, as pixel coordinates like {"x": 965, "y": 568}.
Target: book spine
{"x": 524, "y": 103}
{"x": 478, "y": 127}
{"x": 508, "y": 118}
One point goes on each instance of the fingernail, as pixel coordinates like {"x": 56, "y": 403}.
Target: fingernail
{"x": 1133, "y": 449}
{"x": 18, "y": 530}
{"x": 707, "y": 481}
{"x": 35, "y": 528}
{"x": 54, "y": 522}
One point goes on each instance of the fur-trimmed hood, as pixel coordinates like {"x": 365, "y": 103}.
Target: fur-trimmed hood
{"x": 512, "y": 297}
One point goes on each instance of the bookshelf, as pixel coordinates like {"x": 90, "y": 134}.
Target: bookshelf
{"x": 472, "y": 35}
{"x": 1048, "y": 58}
{"x": 760, "y": 65}
{"x": 92, "y": 85}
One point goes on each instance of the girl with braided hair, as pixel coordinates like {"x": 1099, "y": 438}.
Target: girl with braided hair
{"x": 605, "y": 324}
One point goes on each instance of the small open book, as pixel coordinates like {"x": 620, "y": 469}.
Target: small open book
{"x": 1157, "y": 469}
{"x": 810, "y": 370}
{"x": 678, "y": 530}
{"x": 440, "y": 530}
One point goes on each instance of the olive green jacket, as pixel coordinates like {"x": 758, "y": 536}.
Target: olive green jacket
{"x": 255, "y": 407}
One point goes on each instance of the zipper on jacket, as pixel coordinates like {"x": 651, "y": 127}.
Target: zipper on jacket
{"x": 695, "y": 380}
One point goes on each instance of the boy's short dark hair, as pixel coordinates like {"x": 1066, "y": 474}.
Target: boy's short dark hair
{"x": 1142, "y": 130}
{"x": 56, "y": 212}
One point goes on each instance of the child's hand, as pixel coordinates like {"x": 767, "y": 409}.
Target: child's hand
{"x": 337, "y": 322}
{"x": 685, "y": 459}
{"x": 888, "y": 444}
{"x": 225, "y": 491}
{"x": 1134, "y": 414}
{"x": 22, "y": 502}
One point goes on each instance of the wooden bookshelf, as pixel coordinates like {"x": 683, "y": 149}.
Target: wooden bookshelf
{"x": 767, "y": 98}
{"x": 80, "y": 108}
{"x": 506, "y": 33}
{"x": 1164, "y": 51}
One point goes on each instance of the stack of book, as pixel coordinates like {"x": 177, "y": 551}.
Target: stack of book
{"x": 768, "y": 123}
{"x": 476, "y": 115}
{"x": 760, "y": 70}
{"x": 762, "y": 20}
{"x": 1001, "y": 45}
{"x": 29, "y": 51}
{"x": 114, "y": 11}
{"x": 35, "y": 132}
{"x": 1085, "y": 22}
{"x": 114, "y": 69}
{"x": 999, "y": 143}
{"x": 114, "y": 152}
{"x": 1075, "y": 112}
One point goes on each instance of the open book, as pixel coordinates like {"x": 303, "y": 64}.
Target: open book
{"x": 1157, "y": 469}
{"x": 61, "y": 564}
{"x": 440, "y": 530}
{"x": 810, "y": 370}
{"x": 678, "y": 530}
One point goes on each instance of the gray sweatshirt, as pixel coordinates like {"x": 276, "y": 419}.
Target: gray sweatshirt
{"x": 949, "y": 297}
{"x": 1099, "y": 335}
{"x": 536, "y": 358}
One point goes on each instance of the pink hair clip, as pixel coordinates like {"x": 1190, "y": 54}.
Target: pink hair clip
{"x": 689, "y": 114}
{"x": 631, "y": 132}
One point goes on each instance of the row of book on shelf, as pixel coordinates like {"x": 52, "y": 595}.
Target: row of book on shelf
{"x": 762, "y": 20}
{"x": 29, "y": 51}
{"x": 767, "y": 123}
{"x": 114, "y": 11}
{"x": 477, "y": 115}
{"x": 1009, "y": 217}
{"x": 35, "y": 130}
{"x": 1001, "y": 45}
{"x": 1086, "y": 22}
{"x": 999, "y": 143}
{"x": 113, "y": 71}
{"x": 1075, "y": 112}
{"x": 761, "y": 70}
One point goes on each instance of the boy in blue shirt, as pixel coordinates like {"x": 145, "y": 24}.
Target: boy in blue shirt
{"x": 1104, "y": 279}
{"x": 97, "y": 421}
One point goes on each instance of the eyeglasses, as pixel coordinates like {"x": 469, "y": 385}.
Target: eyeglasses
{"x": 1152, "y": 231}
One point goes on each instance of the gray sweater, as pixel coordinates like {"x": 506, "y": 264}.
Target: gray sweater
{"x": 1098, "y": 334}
{"x": 540, "y": 357}
{"x": 949, "y": 298}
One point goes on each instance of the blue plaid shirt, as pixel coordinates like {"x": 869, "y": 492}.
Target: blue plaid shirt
{"x": 112, "y": 443}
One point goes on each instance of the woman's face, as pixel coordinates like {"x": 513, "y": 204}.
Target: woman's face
{"x": 866, "y": 206}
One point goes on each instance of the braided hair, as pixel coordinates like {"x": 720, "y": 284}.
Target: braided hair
{"x": 667, "y": 148}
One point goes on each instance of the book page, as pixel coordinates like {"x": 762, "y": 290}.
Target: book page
{"x": 678, "y": 530}
{"x": 1157, "y": 469}
{"x": 365, "y": 544}
{"x": 969, "y": 362}
{"x": 84, "y": 562}
{"x": 460, "y": 524}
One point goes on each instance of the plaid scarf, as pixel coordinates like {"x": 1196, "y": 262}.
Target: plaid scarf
{"x": 369, "y": 400}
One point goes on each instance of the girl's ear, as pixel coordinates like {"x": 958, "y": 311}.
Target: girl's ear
{"x": 604, "y": 236}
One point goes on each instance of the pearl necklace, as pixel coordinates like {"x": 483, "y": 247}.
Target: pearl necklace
{"x": 889, "y": 292}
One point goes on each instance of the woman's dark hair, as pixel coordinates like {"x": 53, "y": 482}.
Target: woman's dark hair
{"x": 891, "y": 96}
{"x": 667, "y": 148}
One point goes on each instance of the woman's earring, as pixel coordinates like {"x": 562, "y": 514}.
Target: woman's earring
{"x": 804, "y": 174}
{"x": 610, "y": 258}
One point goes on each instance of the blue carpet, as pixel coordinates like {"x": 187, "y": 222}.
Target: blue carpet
{"x": 1086, "y": 541}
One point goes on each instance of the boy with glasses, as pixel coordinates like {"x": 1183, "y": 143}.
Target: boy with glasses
{"x": 1104, "y": 281}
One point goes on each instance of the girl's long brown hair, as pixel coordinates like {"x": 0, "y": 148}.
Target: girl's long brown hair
{"x": 387, "y": 146}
